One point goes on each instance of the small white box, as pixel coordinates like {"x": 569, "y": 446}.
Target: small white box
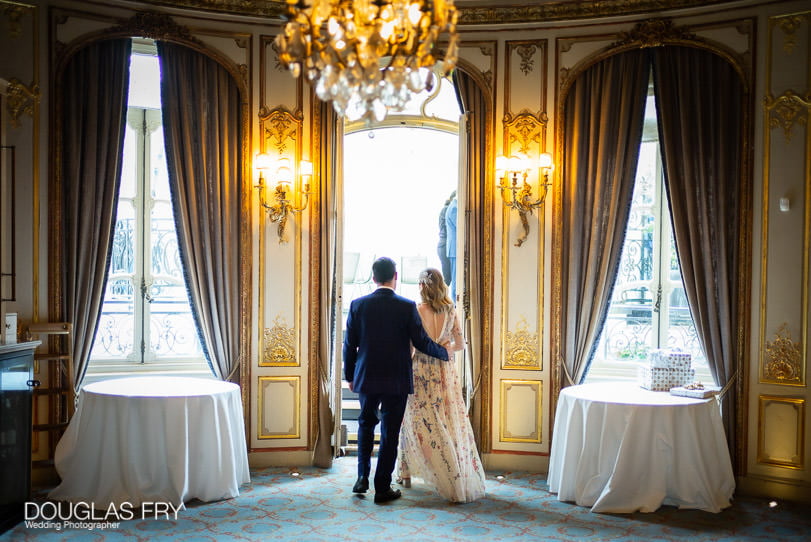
{"x": 700, "y": 393}
{"x": 10, "y": 328}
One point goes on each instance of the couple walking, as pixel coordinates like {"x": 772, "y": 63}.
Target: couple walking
{"x": 436, "y": 440}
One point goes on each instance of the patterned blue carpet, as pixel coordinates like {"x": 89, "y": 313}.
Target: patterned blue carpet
{"x": 312, "y": 504}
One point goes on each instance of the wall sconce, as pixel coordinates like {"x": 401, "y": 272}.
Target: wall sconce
{"x": 283, "y": 202}
{"x": 519, "y": 196}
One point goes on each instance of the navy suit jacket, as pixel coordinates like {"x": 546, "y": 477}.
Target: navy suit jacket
{"x": 380, "y": 329}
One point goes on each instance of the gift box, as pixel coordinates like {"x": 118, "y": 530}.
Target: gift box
{"x": 663, "y": 378}
{"x": 697, "y": 393}
{"x": 661, "y": 358}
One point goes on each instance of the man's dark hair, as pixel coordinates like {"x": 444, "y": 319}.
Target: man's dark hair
{"x": 383, "y": 270}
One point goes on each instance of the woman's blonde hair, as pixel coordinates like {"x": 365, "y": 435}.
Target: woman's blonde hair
{"x": 433, "y": 291}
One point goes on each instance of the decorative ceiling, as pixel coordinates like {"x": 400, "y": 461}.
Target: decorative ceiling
{"x": 472, "y": 12}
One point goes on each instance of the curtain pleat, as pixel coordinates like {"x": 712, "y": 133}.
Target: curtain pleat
{"x": 698, "y": 99}
{"x": 472, "y": 192}
{"x": 203, "y": 133}
{"x": 328, "y": 178}
{"x": 603, "y": 121}
{"x": 93, "y": 119}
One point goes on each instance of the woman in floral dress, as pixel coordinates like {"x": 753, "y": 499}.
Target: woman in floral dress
{"x": 436, "y": 440}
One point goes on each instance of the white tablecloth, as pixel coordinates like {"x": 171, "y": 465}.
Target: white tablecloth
{"x": 621, "y": 448}
{"x": 153, "y": 439}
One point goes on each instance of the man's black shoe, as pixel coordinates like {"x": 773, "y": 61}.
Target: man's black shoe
{"x": 362, "y": 485}
{"x": 387, "y": 495}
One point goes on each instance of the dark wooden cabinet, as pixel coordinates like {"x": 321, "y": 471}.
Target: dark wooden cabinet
{"x": 16, "y": 374}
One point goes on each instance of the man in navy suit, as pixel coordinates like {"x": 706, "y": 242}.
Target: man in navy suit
{"x": 380, "y": 329}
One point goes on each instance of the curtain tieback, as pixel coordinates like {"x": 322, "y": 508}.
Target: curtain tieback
{"x": 726, "y": 387}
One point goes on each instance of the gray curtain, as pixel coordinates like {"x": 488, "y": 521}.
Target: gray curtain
{"x": 699, "y": 99}
{"x": 603, "y": 120}
{"x": 473, "y": 180}
{"x": 93, "y": 117}
{"x": 330, "y": 145}
{"x": 203, "y": 137}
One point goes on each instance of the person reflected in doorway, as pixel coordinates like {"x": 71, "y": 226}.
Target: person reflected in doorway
{"x": 442, "y": 246}
{"x": 450, "y": 231}
{"x": 380, "y": 330}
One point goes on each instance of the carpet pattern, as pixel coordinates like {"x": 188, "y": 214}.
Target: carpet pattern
{"x": 311, "y": 504}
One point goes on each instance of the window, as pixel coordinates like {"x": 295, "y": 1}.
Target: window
{"x": 394, "y": 211}
{"x": 146, "y": 318}
{"x": 648, "y": 308}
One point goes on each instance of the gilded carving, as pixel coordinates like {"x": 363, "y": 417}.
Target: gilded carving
{"x": 546, "y": 11}
{"x": 156, "y": 26}
{"x": 279, "y": 344}
{"x": 783, "y": 363}
{"x": 786, "y": 110}
{"x": 653, "y": 33}
{"x": 525, "y": 129}
{"x": 527, "y": 62}
{"x": 556, "y": 11}
{"x": 14, "y": 14}
{"x": 21, "y": 100}
{"x": 279, "y": 126}
{"x": 521, "y": 348}
{"x": 789, "y": 26}
{"x": 262, "y": 8}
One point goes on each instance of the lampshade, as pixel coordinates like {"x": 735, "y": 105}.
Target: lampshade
{"x": 262, "y": 161}
{"x": 367, "y": 57}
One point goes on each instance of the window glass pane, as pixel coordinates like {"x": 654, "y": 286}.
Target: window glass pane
{"x": 144, "y": 82}
{"x": 165, "y": 258}
{"x": 114, "y": 335}
{"x": 159, "y": 175}
{"x": 171, "y": 327}
{"x": 396, "y": 183}
{"x": 122, "y": 258}
{"x": 129, "y": 166}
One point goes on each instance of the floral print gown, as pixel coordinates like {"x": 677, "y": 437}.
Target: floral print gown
{"x": 436, "y": 439}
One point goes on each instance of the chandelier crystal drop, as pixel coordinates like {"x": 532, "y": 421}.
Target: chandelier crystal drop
{"x": 368, "y": 57}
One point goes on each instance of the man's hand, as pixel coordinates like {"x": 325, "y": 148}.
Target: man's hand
{"x": 351, "y": 387}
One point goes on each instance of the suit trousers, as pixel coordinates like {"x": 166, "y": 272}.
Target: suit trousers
{"x": 392, "y": 409}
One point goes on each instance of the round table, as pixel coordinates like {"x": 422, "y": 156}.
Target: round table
{"x": 621, "y": 448}
{"x": 153, "y": 439}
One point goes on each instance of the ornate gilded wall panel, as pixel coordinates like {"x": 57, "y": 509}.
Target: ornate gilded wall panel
{"x": 279, "y": 406}
{"x": 279, "y": 345}
{"x": 783, "y": 362}
{"x": 786, "y": 203}
{"x": 781, "y": 431}
{"x": 524, "y": 133}
{"x": 521, "y": 348}
{"x": 281, "y": 134}
{"x": 520, "y": 409}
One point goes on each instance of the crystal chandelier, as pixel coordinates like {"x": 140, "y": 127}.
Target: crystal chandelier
{"x": 367, "y": 57}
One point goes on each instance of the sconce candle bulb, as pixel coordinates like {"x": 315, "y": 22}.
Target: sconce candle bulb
{"x": 518, "y": 196}
{"x": 284, "y": 204}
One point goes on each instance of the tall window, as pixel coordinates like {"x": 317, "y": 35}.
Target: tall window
{"x": 398, "y": 176}
{"x": 648, "y": 307}
{"x": 146, "y": 318}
